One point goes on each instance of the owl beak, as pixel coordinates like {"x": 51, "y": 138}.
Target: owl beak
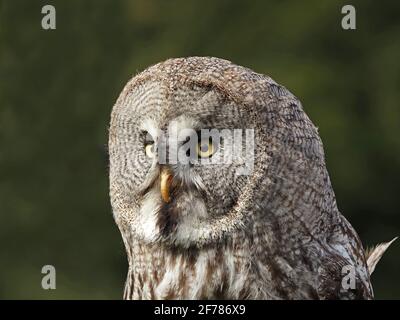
{"x": 166, "y": 179}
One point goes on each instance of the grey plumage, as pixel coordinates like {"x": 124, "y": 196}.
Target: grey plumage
{"x": 274, "y": 234}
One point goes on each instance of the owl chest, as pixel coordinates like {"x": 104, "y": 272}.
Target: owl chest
{"x": 208, "y": 274}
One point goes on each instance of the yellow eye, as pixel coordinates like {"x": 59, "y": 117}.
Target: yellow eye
{"x": 205, "y": 149}
{"x": 149, "y": 149}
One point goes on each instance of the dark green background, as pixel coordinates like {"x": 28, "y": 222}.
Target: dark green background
{"x": 57, "y": 89}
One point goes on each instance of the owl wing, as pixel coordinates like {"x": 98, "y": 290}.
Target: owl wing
{"x": 344, "y": 273}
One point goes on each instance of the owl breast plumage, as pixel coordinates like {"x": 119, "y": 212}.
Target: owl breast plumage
{"x": 248, "y": 215}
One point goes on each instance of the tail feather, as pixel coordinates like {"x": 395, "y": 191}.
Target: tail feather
{"x": 374, "y": 254}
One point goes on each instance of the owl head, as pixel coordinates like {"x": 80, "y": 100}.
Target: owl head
{"x": 199, "y": 146}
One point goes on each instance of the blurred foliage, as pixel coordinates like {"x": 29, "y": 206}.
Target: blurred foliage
{"x": 57, "y": 89}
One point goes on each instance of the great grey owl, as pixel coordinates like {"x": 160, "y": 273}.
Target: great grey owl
{"x": 255, "y": 225}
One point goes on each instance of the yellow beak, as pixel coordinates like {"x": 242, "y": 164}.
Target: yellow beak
{"x": 166, "y": 179}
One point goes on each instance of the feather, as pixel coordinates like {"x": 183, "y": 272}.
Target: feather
{"x": 374, "y": 254}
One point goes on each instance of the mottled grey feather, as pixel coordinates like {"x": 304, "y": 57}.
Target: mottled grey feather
{"x": 274, "y": 234}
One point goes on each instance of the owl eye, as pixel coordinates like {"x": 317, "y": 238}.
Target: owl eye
{"x": 205, "y": 149}
{"x": 149, "y": 149}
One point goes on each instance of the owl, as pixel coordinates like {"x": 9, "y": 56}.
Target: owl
{"x": 219, "y": 187}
